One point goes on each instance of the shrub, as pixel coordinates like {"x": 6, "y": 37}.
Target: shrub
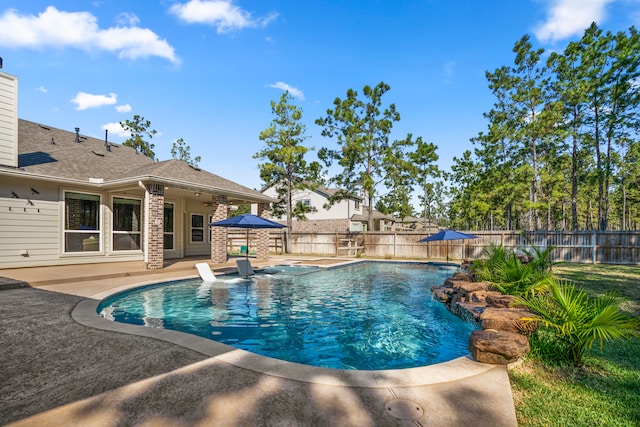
{"x": 578, "y": 319}
{"x": 509, "y": 274}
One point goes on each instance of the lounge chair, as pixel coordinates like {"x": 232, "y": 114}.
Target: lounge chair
{"x": 244, "y": 268}
{"x": 205, "y": 272}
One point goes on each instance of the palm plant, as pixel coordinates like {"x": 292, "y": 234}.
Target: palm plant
{"x": 493, "y": 255}
{"x": 509, "y": 275}
{"x": 578, "y": 319}
{"x": 541, "y": 258}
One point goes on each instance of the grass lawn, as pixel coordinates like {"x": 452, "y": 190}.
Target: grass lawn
{"x": 605, "y": 391}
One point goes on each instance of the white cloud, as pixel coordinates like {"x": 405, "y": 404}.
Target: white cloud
{"x": 448, "y": 68}
{"x": 42, "y": 89}
{"x": 116, "y": 128}
{"x": 222, "y": 14}
{"x": 123, "y": 108}
{"x": 84, "y": 100}
{"x": 54, "y": 28}
{"x": 568, "y": 18}
{"x": 295, "y": 92}
{"x": 127, "y": 19}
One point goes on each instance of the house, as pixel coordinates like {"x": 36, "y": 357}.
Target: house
{"x": 346, "y": 215}
{"x": 381, "y": 222}
{"x": 411, "y": 223}
{"x": 66, "y": 198}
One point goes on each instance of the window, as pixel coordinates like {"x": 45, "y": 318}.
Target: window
{"x": 197, "y": 228}
{"x": 169, "y": 241}
{"x": 307, "y": 203}
{"x": 357, "y": 204}
{"x": 81, "y": 222}
{"x": 127, "y": 224}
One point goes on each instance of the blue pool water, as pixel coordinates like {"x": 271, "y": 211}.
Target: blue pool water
{"x": 367, "y": 316}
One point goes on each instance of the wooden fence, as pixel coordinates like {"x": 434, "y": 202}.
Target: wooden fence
{"x": 604, "y": 247}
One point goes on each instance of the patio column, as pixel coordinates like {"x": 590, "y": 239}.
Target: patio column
{"x": 218, "y": 234}
{"x": 155, "y": 227}
{"x": 262, "y": 234}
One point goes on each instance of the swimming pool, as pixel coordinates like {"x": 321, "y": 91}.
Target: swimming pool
{"x": 365, "y": 316}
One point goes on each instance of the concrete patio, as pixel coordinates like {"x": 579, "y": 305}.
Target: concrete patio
{"x": 64, "y": 365}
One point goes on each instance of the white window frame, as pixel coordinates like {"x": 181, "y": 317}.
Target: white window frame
{"x": 115, "y": 233}
{"x": 173, "y": 227}
{"x": 192, "y": 228}
{"x": 92, "y": 233}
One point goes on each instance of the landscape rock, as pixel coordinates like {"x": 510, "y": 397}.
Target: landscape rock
{"x": 470, "y": 311}
{"x": 497, "y": 347}
{"x": 499, "y": 300}
{"x": 463, "y": 276}
{"x": 451, "y": 281}
{"x": 506, "y": 319}
{"x": 481, "y": 303}
{"x": 439, "y": 293}
{"x": 483, "y": 296}
{"x": 467, "y": 287}
{"x": 456, "y": 298}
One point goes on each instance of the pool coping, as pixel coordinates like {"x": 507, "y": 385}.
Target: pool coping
{"x": 85, "y": 313}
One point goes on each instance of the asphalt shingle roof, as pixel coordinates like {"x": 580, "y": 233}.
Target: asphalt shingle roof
{"x": 50, "y": 152}
{"x": 45, "y": 150}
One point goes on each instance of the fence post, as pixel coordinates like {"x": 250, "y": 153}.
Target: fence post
{"x": 394, "y": 245}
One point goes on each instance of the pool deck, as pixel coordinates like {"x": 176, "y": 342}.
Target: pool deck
{"x": 62, "y": 365}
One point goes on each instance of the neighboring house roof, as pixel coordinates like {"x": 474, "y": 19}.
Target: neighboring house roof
{"x": 322, "y": 190}
{"x": 413, "y": 219}
{"x": 419, "y": 223}
{"x": 376, "y": 216}
{"x": 47, "y": 152}
{"x": 333, "y": 191}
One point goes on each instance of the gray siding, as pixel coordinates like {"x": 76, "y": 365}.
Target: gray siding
{"x": 33, "y": 223}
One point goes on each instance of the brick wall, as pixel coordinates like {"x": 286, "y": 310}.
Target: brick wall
{"x": 155, "y": 256}
{"x": 262, "y": 234}
{"x": 218, "y": 234}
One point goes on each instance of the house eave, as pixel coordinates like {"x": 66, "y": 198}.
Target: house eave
{"x": 100, "y": 183}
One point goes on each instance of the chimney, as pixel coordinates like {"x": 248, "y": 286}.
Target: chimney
{"x": 106, "y": 140}
{"x": 77, "y": 134}
{"x": 9, "y": 119}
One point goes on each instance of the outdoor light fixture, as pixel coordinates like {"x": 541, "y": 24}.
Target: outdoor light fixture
{"x": 197, "y": 194}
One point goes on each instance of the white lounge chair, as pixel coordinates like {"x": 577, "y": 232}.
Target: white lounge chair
{"x": 244, "y": 268}
{"x": 205, "y": 272}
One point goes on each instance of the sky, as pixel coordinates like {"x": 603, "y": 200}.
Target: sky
{"x": 206, "y": 70}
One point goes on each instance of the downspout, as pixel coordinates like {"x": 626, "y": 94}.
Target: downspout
{"x": 145, "y": 228}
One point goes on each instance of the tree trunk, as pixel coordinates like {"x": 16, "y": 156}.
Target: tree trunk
{"x": 574, "y": 174}
{"x": 370, "y": 214}
{"x": 289, "y": 216}
{"x": 599, "y": 171}
{"x": 604, "y": 224}
{"x": 624, "y": 206}
{"x": 535, "y": 185}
